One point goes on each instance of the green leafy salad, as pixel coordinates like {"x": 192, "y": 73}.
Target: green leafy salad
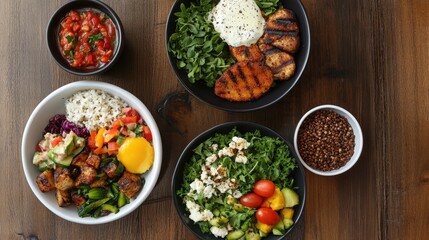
{"x": 197, "y": 47}
{"x": 226, "y": 167}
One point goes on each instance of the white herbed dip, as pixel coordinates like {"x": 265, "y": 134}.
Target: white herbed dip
{"x": 239, "y": 22}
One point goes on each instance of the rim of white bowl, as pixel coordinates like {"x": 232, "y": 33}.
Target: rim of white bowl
{"x": 157, "y": 143}
{"x": 356, "y": 130}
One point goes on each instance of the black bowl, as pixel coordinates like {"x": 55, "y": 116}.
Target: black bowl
{"x": 53, "y": 31}
{"x": 177, "y": 180}
{"x": 206, "y": 94}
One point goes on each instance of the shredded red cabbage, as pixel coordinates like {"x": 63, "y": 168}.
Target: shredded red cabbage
{"x": 60, "y": 125}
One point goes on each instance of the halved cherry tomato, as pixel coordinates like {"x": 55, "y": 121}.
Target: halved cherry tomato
{"x": 267, "y": 216}
{"x": 56, "y": 140}
{"x": 264, "y": 188}
{"x": 251, "y": 200}
{"x": 147, "y": 133}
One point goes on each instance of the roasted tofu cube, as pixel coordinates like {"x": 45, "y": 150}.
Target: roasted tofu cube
{"x": 45, "y": 181}
{"x": 93, "y": 160}
{"x": 100, "y": 182}
{"x": 110, "y": 169}
{"x": 80, "y": 159}
{"x": 77, "y": 199}
{"x": 63, "y": 198}
{"x": 63, "y": 180}
{"x": 130, "y": 184}
{"x": 87, "y": 175}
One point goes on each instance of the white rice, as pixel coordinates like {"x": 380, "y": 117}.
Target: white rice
{"x": 93, "y": 109}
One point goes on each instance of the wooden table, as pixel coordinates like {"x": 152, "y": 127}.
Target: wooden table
{"x": 370, "y": 57}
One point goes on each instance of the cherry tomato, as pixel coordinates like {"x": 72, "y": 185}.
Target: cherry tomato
{"x": 264, "y": 188}
{"x": 147, "y": 133}
{"x": 267, "y": 216}
{"x": 251, "y": 200}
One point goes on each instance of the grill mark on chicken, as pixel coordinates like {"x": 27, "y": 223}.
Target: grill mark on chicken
{"x": 282, "y": 65}
{"x": 274, "y": 32}
{"x": 253, "y": 79}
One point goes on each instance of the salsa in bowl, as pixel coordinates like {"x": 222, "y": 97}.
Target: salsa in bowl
{"x": 85, "y": 37}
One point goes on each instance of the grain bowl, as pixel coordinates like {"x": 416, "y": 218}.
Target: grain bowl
{"x": 328, "y": 140}
{"x": 54, "y": 105}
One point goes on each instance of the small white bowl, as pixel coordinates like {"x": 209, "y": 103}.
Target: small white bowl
{"x": 356, "y": 130}
{"x": 53, "y": 104}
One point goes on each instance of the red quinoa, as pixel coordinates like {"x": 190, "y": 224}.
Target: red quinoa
{"x": 326, "y": 140}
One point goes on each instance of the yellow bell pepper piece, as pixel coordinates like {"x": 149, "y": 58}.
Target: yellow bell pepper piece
{"x": 264, "y": 227}
{"x": 287, "y": 213}
{"x": 276, "y": 201}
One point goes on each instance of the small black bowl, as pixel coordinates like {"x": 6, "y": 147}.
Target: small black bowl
{"x": 206, "y": 94}
{"x": 52, "y": 32}
{"x": 242, "y": 126}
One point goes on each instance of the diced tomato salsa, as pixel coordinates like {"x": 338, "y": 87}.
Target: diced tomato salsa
{"x": 87, "y": 38}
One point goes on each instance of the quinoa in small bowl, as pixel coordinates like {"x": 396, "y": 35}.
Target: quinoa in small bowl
{"x": 328, "y": 140}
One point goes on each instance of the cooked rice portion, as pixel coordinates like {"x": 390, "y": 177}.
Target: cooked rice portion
{"x": 93, "y": 109}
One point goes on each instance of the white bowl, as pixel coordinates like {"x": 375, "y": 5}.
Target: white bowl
{"x": 53, "y": 104}
{"x": 356, "y": 130}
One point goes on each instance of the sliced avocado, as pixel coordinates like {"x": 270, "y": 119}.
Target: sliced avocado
{"x": 263, "y": 234}
{"x": 45, "y": 165}
{"x": 238, "y": 207}
{"x": 291, "y": 197}
{"x": 280, "y": 228}
{"x": 218, "y": 221}
{"x": 234, "y": 235}
{"x": 277, "y": 232}
{"x": 252, "y": 236}
{"x": 69, "y": 143}
{"x": 77, "y": 151}
{"x": 287, "y": 223}
{"x": 65, "y": 161}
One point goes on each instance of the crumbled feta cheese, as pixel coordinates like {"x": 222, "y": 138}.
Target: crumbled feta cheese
{"x": 215, "y": 147}
{"x": 221, "y": 171}
{"x": 195, "y": 215}
{"x": 240, "y": 158}
{"x": 212, "y": 158}
{"x": 213, "y": 171}
{"x": 206, "y": 215}
{"x": 223, "y": 187}
{"x": 197, "y": 185}
{"x": 209, "y": 192}
{"x": 239, "y": 143}
{"x": 237, "y": 194}
{"x": 219, "y": 232}
{"x": 226, "y": 151}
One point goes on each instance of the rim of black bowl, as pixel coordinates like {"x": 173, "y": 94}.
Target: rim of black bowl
{"x": 205, "y": 94}
{"x": 242, "y": 126}
{"x": 52, "y": 37}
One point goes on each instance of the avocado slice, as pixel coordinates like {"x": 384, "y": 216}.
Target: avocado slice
{"x": 252, "y": 236}
{"x": 279, "y": 228}
{"x": 69, "y": 143}
{"x": 234, "y": 235}
{"x": 287, "y": 223}
{"x": 291, "y": 197}
{"x": 57, "y": 157}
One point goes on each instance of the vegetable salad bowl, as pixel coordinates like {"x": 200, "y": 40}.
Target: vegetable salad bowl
{"x": 188, "y": 156}
{"x": 54, "y": 104}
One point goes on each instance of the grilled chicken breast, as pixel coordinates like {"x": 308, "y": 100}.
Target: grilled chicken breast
{"x": 281, "y": 31}
{"x": 244, "y": 53}
{"x": 244, "y": 81}
{"x": 281, "y": 63}
{"x": 45, "y": 181}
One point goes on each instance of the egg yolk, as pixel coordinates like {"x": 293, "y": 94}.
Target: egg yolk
{"x": 136, "y": 154}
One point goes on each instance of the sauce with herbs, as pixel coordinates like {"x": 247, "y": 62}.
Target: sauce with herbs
{"x": 87, "y": 38}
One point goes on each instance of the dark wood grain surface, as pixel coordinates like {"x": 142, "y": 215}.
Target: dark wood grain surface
{"x": 370, "y": 57}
